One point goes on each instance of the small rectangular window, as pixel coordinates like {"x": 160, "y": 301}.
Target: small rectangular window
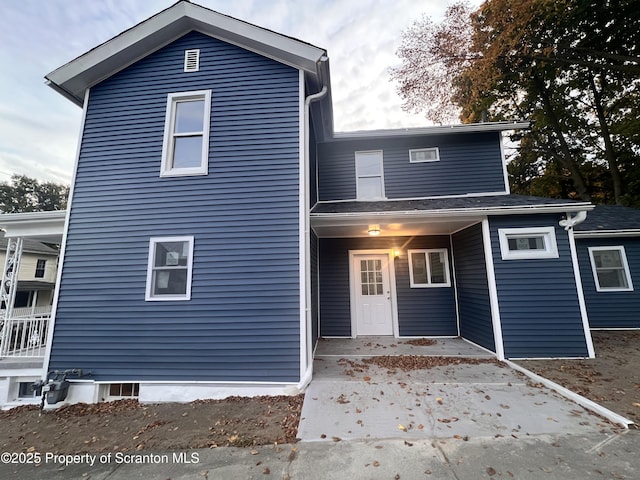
{"x": 528, "y": 243}
{"x": 185, "y": 149}
{"x": 610, "y": 269}
{"x": 369, "y": 175}
{"x": 421, "y": 155}
{"x": 25, "y": 390}
{"x": 429, "y": 268}
{"x": 169, "y": 268}
{"x": 41, "y": 266}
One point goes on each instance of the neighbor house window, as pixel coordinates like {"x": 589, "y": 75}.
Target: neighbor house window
{"x": 185, "y": 150}
{"x": 169, "y": 269}
{"x": 429, "y": 268}
{"x": 528, "y": 243}
{"x": 40, "y": 268}
{"x": 422, "y": 155}
{"x": 610, "y": 269}
{"x": 369, "y": 175}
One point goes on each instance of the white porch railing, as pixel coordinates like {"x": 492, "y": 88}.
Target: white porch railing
{"x": 25, "y": 333}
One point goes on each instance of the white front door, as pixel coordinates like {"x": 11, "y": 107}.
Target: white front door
{"x": 371, "y": 294}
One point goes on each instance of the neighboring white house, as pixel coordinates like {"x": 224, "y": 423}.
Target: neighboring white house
{"x": 26, "y": 299}
{"x": 36, "y": 276}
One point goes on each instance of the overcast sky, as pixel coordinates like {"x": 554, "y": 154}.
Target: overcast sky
{"x": 39, "y": 128}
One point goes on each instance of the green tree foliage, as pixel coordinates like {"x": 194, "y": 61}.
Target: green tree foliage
{"x": 572, "y": 67}
{"x": 24, "y": 194}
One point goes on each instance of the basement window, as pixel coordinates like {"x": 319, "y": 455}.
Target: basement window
{"x": 123, "y": 390}
{"x": 528, "y": 243}
{"x": 610, "y": 269}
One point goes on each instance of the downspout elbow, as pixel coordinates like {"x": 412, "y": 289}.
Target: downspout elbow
{"x": 571, "y": 222}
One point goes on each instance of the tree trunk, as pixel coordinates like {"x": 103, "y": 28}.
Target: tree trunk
{"x": 609, "y": 151}
{"x": 566, "y": 158}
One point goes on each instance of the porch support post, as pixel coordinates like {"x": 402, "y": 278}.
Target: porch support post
{"x": 9, "y": 285}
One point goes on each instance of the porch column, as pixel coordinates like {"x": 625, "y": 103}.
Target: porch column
{"x": 10, "y": 275}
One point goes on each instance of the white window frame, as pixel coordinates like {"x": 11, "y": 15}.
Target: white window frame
{"x": 548, "y": 233}
{"x": 381, "y": 175}
{"x": 418, "y": 150}
{"x": 625, "y": 267}
{"x": 426, "y": 252}
{"x": 167, "y": 169}
{"x": 153, "y": 241}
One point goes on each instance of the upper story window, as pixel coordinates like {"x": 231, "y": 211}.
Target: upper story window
{"x": 527, "y": 243}
{"x": 429, "y": 268}
{"x": 169, "y": 268}
{"x": 369, "y": 175}
{"x": 41, "y": 266}
{"x": 610, "y": 269}
{"x": 422, "y": 155}
{"x": 185, "y": 150}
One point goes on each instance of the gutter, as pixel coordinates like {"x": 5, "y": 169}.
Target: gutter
{"x": 631, "y": 232}
{"x": 571, "y": 222}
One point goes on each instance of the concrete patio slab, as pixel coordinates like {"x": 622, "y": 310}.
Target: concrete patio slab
{"x": 348, "y": 400}
{"x": 374, "y": 346}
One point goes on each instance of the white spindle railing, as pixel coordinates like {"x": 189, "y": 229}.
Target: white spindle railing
{"x": 25, "y": 336}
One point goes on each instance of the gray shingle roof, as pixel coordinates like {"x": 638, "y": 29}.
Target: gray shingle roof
{"x": 494, "y": 201}
{"x": 610, "y": 218}
{"x": 30, "y": 246}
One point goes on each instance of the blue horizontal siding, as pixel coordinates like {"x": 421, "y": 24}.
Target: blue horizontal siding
{"x": 478, "y": 155}
{"x": 421, "y": 311}
{"x": 539, "y": 307}
{"x": 474, "y": 305}
{"x": 242, "y": 322}
{"x": 611, "y": 309}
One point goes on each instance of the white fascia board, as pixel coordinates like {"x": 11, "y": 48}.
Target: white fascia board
{"x": 328, "y": 218}
{"x": 435, "y": 130}
{"x": 73, "y": 78}
{"x": 606, "y": 233}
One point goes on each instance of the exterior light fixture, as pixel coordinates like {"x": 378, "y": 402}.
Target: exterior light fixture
{"x": 374, "y": 230}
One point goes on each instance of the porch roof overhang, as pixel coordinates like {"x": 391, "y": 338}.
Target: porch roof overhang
{"x": 43, "y": 226}
{"x": 436, "y": 216}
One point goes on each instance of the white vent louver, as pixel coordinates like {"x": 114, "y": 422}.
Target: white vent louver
{"x": 192, "y": 60}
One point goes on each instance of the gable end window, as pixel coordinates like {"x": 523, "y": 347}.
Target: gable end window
{"x": 429, "y": 268}
{"x": 528, "y": 243}
{"x": 185, "y": 149}
{"x": 610, "y": 269}
{"x": 369, "y": 175}
{"x": 423, "y": 155}
{"x": 169, "y": 268}
{"x": 41, "y": 266}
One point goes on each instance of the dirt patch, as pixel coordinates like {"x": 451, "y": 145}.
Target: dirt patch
{"x": 421, "y": 342}
{"x": 612, "y": 379}
{"x": 127, "y": 425}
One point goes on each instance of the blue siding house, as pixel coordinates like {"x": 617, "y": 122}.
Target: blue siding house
{"x": 218, "y": 226}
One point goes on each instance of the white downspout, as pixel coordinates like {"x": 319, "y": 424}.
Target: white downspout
{"x": 307, "y": 366}
{"x": 571, "y": 222}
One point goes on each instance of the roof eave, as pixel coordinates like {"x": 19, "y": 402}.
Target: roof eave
{"x": 73, "y": 78}
{"x": 634, "y": 232}
{"x": 435, "y": 130}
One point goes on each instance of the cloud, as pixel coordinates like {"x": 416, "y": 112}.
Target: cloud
{"x": 39, "y": 128}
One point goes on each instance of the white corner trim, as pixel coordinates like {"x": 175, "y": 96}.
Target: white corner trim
{"x": 493, "y": 290}
{"x": 579, "y": 399}
{"x": 63, "y": 247}
{"x": 583, "y": 306}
